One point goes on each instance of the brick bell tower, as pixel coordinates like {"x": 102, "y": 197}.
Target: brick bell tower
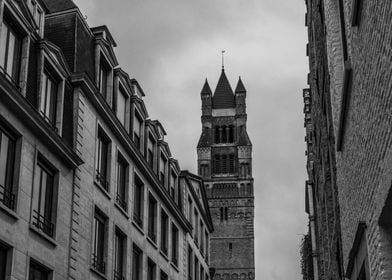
{"x": 225, "y": 162}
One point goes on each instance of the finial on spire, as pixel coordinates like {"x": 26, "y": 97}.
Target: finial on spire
{"x": 223, "y": 60}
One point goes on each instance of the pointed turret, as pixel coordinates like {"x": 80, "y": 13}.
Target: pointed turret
{"x": 223, "y": 96}
{"x": 240, "y": 87}
{"x": 206, "y": 90}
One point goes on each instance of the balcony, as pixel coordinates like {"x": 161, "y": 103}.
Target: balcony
{"x": 102, "y": 181}
{"x": 120, "y": 200}
{"x": 98, "y": 264}
{"x": 7, "y": 198}
{"x": 42, "y": 223}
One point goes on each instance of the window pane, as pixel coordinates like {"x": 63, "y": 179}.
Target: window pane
{"x": 121, "y": 101}
{"x": 37, "y": 272}
{"x": 3, "y": 44}
{"x": 3, "y": 262}
{"x": 10, "y": 53}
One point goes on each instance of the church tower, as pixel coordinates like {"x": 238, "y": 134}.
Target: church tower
{"x": 225, "y": 163}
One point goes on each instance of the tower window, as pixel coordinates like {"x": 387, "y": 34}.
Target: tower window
{"x": 224, "y": 164}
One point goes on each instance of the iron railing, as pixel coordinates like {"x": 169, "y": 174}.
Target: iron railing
{"x": 102, "y": 180}
{"x": 120, "y": 200}
{"x": 7, "y": 198}
{"x": 43, "y": 223}
{"x": 98, "y": 263}
{"x": 118, "y": 275}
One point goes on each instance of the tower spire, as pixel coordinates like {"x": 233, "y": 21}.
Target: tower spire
{"x": 223, "y": 60}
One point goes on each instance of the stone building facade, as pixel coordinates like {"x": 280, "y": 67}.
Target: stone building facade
{"x": 349, "y": 48}
{"x": 225, "y": 163}
{"x": 88, "y": 186}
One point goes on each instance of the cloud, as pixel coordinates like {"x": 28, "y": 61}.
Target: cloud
{"x": 171, "y": 46}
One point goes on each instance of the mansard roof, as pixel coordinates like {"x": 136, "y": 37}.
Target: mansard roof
{"x": 205, "y": 138}
{"x": 223, "y": 96}
{"x": 240, "y": 87}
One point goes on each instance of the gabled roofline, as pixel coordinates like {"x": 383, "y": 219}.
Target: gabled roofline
{"x": 104, "y": 28}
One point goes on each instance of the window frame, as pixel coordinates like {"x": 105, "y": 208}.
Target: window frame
{"x": 175, "y": 237}
{"x": 43, "y": 269}
{"x": 138, "y": 199}
{"x": 137, "y": 261}
{"x": 120, "y": 241}
{"x": 152, "y": 223}
{"x": 103, "y": 140}
{"x": 121, "y": 183}
{"x": 98, "y": 255}
{"x": 164, "y": 240}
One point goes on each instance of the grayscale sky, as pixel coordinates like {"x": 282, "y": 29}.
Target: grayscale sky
{"x": 171, "y": 46}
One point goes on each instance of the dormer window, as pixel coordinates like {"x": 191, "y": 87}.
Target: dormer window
{"x": 37, "y": 13}
{"x": 162, "y": 169}
{"x": 137, "y": 129}
{"x": 121, "y": 105}
{"x": 150, "y": 151}
{"x": 103, "y": 78}
{"x": 48, "y": 100}
{"x": 10, "y": 51}
{"x": 173, "y": 182}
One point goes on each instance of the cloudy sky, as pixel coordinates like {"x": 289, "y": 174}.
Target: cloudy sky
{"x": 171, "y": 46}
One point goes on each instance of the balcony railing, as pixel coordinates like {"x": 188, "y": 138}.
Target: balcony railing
{"x": 43, "y": 223}
{"x": 9, "y": 78}
{"x": 98, "y": 263}
{"x": 102, "y": 180}
{"x": 120, "y": 200}
{"x": 118, "y": 275}
{"x": 7, "y": 198}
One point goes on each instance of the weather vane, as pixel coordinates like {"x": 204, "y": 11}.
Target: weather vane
{"x": 223, "y": 59}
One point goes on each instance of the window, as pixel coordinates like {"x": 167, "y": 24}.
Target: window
{"x": 226, "y": 213}
{"x": 121, "y": 105}
{"x": 37, "y": 13}
{"x": 201, "y": 237}
{"x": 164, "y": 276}
{"x": 10, "y": 51}
{"x": 196, "y": 268}
{"x": 138, "y": 201}
{"x": 103, "y": 78}
{"x": 173, "y": 182}
{"x": 224, "y": 163}
{"x": 231, "y": 249}
{"x": 190, "y": 263}
{"x": 152, "y": 220}
{"x": 217, "y": 134}
{"x": 207, "y": 244}
{"x": 150, "y": 151}
{"x": 162, "y": 169}
{"x": 48, "y": 99}
{"x": 204, "y": 170}
{"x": 43, "y": 198}
{"x": 190, "y": 210}
{"x": 164, "y": 231}
{"x": 137, "y": 261}
{"x": 119, "y": 246}
{"x": 174, "y": 235}
{"x": 38, "y": 272}
{"x": 98, "y": 261}
{"x": 223, "y": 214}
{"x": 201, "y": 273}
{"x": 137, "y": 130}
{"x": 122, "y": 167}
{"x": 7, "y": 165}
{"x": 196, "y": 227}
{"x": 102, "y": 160}
{"x": 3, "y": 261}
{"x": 151, "y": 270}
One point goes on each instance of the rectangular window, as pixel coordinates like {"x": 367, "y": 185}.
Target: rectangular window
{"x": 201, "y": 273}
{"x": 196, "y": 227}
{"x": 224, "y": 168}
{"x": 10, "y": 51}
{"x": 162, "y": 169}
{"x": 151, "y": 270}
{"x": 201, "y": 237}
{"x": 3, "y": 261}
{"x": 173, "y": 183}
{"x": 190, "y": 210}
{"x": 190, "y": 263}
{"x": 138, "y": 201}
{"x": 163, "y": 276}
{"x": 231, "y": 164}
{"x": 150, "y": 151}
{"x": 121, "y": 105}
{"x": 103, "y": 78}
{"x": 7, "y": 165}
{"x": 137, "y": 130}
{"x": 207, "y": 244}
{"x": 196, "y": 268}
{"x": 102, "y": 160}
{"x": 43, "y": 198}
{"x": 122, "y": 167}
{"x": 174, "y": 236}
{"x": 137, "y": 260}
{"x": 119, "y": 246}
{"x": 152, "y": 220}
{"x": 98, "y": 259}
{"x": 164, "y": 231}
{"x": 48, "y": 99}
{"x": 38, "y": 272}
{"x": 217, "y": 164}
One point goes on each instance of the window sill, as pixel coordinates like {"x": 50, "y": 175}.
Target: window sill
{"x": 175, "y": 266}
{"x": 9, "y": 212}
{"x": 123, "y": 211}
{"x": 138, "y": 227}
{"x": 105, "y": 192}
{"x": 43, "y": 235}
{"x": 153, "y": 243}
{"x": 164, "y": 255}
{"x": 100, "y": 274}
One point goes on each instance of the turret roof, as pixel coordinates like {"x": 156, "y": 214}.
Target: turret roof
{"x": 206, "y": 90}
{"x": 240, "y": 87}
{"x": 223, "y": 96}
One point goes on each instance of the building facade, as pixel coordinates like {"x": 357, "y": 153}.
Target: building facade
{"x": 350, "y": 62}
{"x": 225, "y": 163}
{"x": 88, "y": 186}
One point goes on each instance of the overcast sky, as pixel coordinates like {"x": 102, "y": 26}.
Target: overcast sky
{"x": 171, "y": 46}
